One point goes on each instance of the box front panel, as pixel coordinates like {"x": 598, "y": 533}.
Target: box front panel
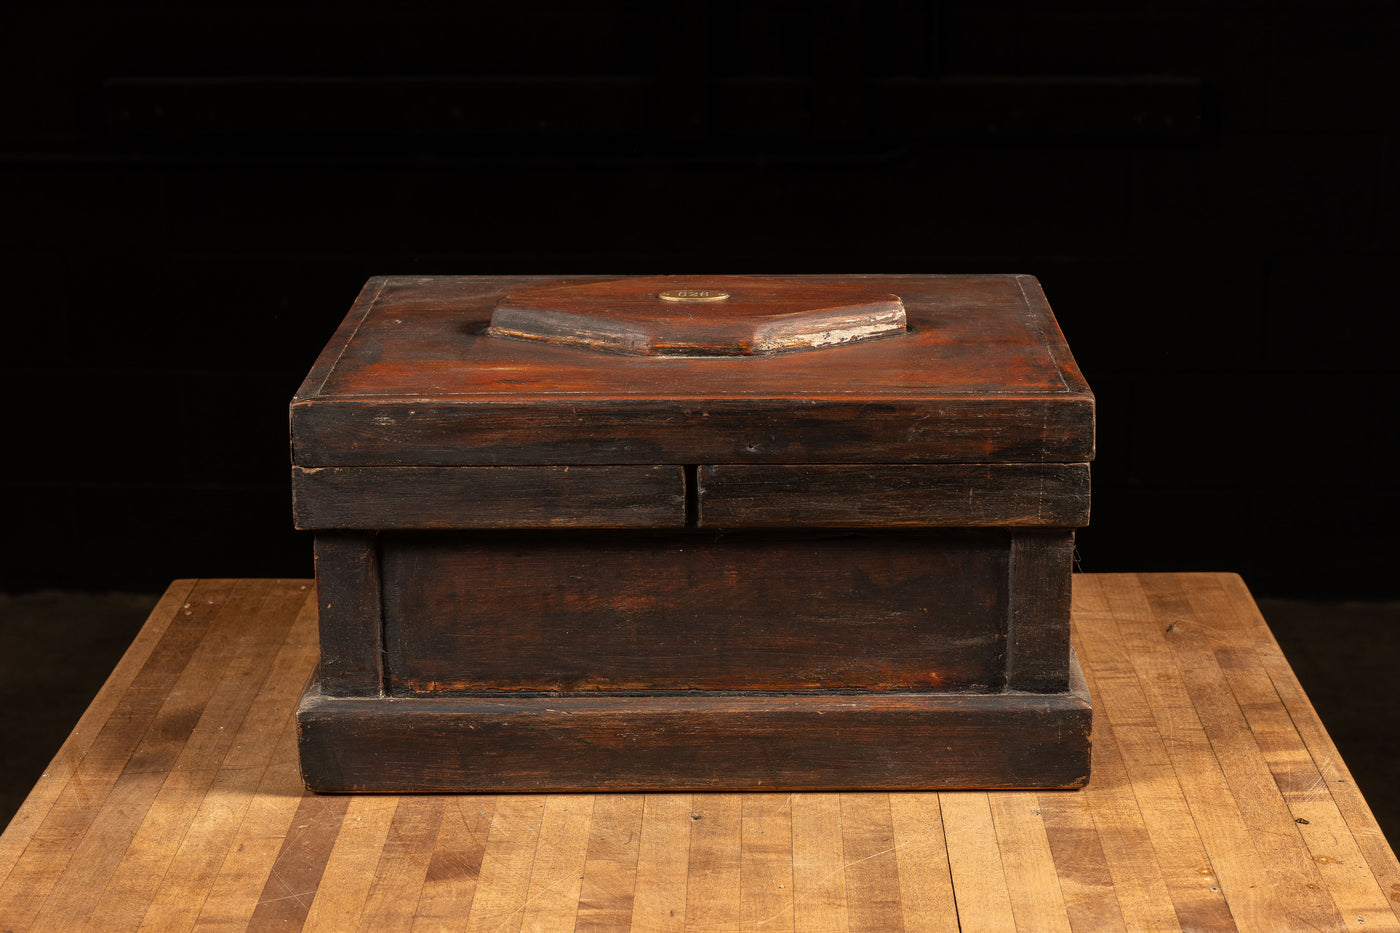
{"x": 473, "y": 614}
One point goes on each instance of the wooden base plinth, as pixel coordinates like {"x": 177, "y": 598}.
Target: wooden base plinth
{"x": 696, "y": 742}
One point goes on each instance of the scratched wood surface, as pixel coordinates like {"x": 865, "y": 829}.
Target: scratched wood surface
{"x": 1217, "y": 802}
{"x": 982, "y": 375}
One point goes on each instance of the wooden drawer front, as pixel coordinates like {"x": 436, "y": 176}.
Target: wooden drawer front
{"x": 581, "y": 613}
{"x": 894, "y": 495}
{"x": 374, "y": 498}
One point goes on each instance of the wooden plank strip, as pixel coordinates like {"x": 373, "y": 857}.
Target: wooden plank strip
{"x": 78, "y": 882}
{"x": 1339, "y": 785}
{"x": 296, "y": 874}
{"x": 177, "y": 902}
{"x": 166, "y": 744}
{"x": 403, "y": 866}
{"x": 532, "y": 430}
{"x": 551, "y": 904}
{"x": 1080, "y": 865}
{"x": 127, "y": 897}
{"x": 1337, "y": 779}
{"x": 178, "y": 845}
{"x": 663, "y": 859}
{"x": 610, "y": 869}
{"x": 1175, "y": 838}
{"x": 503, "y": 885}
{"x": 254, "y": 850}
{"x": 398, "y": 498}
{"x": 95, "y": 855}
{"x": 267, "y": 741}
{"x": 347, "y": 595}
{"x": 818, "y": 863}
{"x": 1031, "y": 882}
{"x": 765, "y": 862}
{"x": 184, "y": 643}
{"x": 269, "y": 719}
{"x": 77, "y": 783}
{"x": 55, "y": 778}
{"x": 872, "y": 868}
{"x": 454, "y": 864}
{"x": 1119, "y": 827}
{"x": 1316, "y": 816}
{"x": 345, "y": 884}
{"x": 1233, "y": 757}
{"x": 1037, "y": 619}
{"x": 894, "y": 495}
{"x": 715, "y": 857}
{"x": 979, "y": 882}
{"x": 248, "y": 661}
{"x": 925, "y": 880}
{"x": 571, "y": 743}
{"x": 1237, "y": 861}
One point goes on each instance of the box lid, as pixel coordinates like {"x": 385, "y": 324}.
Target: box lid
{"x": 864, "y": 369}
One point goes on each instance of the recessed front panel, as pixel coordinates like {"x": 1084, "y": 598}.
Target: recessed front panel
{"x": 580, "y": 614}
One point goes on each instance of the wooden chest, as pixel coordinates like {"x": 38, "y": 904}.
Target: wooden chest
{"x": 694, "y": 533}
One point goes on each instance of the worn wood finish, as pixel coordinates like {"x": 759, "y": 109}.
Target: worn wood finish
{"x": 748, "y": 495}
{"x": 964, "y": 495}
{"x": 707, "y": 315}
{"x": 344, "y": 431}
{"x": 982, "y": 376}
{"x": 1217, "y": 802}
{"x": 691, "y": 742}
{"x": 584, "y": 613}
{"x": 958, "y": 495}
{"x": 347, "y": 583}
{"x": 383, "y": 498}
{"x": 1037, "y": 628}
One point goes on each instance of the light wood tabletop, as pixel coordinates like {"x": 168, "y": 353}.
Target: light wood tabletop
{"x": 1217, "y": 802}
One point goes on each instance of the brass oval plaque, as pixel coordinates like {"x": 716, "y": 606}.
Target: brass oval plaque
{"x": 693, "y": 294}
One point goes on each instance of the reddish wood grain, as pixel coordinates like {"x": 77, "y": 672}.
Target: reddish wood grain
{"x": 774, "y": 612}
{"x": 982, "y": 376}
{"x": 709, "y": 520}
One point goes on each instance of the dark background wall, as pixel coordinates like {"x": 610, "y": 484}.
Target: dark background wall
{"x": 194, "y": 193}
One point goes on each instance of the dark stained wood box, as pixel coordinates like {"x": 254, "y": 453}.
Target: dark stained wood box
{"x": 694, "y": 533}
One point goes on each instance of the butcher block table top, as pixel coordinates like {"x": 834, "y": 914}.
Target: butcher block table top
{"x": 1217, "y": 802}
